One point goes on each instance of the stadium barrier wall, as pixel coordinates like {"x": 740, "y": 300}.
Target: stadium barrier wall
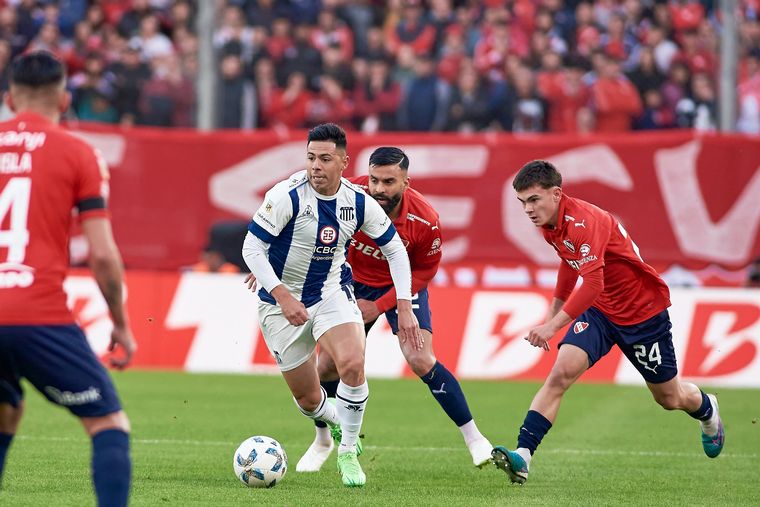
{"x": 200, "y": 322}
{"x": 686, "y": 198}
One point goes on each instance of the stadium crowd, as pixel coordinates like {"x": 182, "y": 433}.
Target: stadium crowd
{"x": 440, "y": 65}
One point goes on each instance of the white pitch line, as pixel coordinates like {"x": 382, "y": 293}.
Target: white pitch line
{"x": 597, "y": 452}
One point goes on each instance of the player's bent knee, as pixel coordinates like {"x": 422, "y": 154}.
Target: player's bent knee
{"x": 421, "y": 364}
{"x": 668, "y": 401}
{"x": 351, "y": 370}
{"x": 310, "y": 401}
{"x": 560, "y": 379}
{"x": 114, "y": 421}
{"x": 10, "y": 417}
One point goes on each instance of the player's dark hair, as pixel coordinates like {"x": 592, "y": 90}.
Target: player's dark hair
{"x": 537, "y": 172}
{"x": 389, "y": 155}
{"x": 328, "y": 132}
{"x": 37, "y": 69}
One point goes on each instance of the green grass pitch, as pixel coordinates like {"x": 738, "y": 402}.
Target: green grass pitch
{"x": 611, "y": 445}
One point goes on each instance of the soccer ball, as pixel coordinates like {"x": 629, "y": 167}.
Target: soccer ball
{"x": 260, "y": 462}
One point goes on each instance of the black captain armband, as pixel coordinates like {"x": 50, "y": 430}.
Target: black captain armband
{"x": 91, "y": 204}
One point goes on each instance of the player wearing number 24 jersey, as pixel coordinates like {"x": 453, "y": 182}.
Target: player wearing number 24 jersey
{"x": 622, "y": 302}
{"x": 45, "y": 174}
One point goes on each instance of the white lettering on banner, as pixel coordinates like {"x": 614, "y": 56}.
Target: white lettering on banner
{"x": 595, "y": 162}
{"x": 111, "y": 146}
{"x": 726, "y": 330}
{"x": 224, "y": 313}
{"x": 731, "y": 239}
{"x": 92, "y": 315}
{"x": 493, "y": 345}
{"x": 240, "y": 188}
{"x": 383, "y": 357}
{"x": 438, "y": 161}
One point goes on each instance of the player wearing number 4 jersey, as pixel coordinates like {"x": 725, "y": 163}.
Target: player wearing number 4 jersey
{"x": 622, "y": 302}
{"x": 46, "y": 173}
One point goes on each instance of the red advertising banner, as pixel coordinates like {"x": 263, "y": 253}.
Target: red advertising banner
{"x": 687, "y": 199}
{"x": 205, "y": 322}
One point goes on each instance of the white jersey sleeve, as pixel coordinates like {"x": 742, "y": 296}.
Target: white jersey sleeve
{"x": 377, "y": 225}
{"x": 273, "y": 214}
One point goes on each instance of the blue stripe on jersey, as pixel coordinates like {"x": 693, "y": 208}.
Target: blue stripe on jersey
{"x": 260, "y": 232}
{"x": 280, "y": 246}
{"x": 359, "y": 210}
{"x": 386, "y": 236}
{"x": 321, "y": 262}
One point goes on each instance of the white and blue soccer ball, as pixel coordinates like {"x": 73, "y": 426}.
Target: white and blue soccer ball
{"x": 260, "y": 462}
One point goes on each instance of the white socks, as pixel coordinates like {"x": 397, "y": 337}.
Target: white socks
{"x": 350, "y": 402}
{"x": 470, "y": 432}
{"x": 524, "y": 454}
{"x": 710, "y": 427}
{"x": 325, "y": 411}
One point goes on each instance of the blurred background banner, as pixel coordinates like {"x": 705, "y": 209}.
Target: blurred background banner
{"x": 202, "y": 322}
{"x": 687, "y": 199}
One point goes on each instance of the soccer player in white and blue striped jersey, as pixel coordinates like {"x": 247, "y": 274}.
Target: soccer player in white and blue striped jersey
{"x": 296, "y": 248}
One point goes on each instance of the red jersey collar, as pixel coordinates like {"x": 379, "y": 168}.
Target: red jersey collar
{"x": 560, "y": 215}
{"x": 32, "y": 117}
{"x": 404, "y": 211}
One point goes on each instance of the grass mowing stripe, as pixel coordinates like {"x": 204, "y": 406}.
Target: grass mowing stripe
{"x": 415, "y": 449}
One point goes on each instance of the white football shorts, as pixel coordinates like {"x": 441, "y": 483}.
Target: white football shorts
{"x": 292, "y": 346}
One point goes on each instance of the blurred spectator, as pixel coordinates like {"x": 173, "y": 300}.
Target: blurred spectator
{"x": 130, "y": 20}
{"x": 698, "y": 110}
{"x": 302, "y": 57}
{"x": 440, "y": 16}
{"x": 168, "y": 98}
{"x": 451, "y": 54}
{"x": 154, "y": 43}
{"x": 528, "y": 107}
{"x": 280, "y": 40}
{"x": 5, "y": 59}
{"x": 212, "y": 261}
{"x": 11, "y": 31}
{"x": 412, "y": 30}
{"x": 656, "y": 114}
{"x": 676, "y": 85}
{"x": 331, "y": 105}
{"x": 663, "y": 48}
{"x": 266, "y": 87}
{"x": 263, "y": 12}
{"x": 566, "y": 95}
{"x": 130, "y": 74}
{"x": 332, "y": 32}
{"x": 93, "y": 92}
{"x": 645, "y": 76}
{"x": 236, "y": 96}
{"x": 491, "y": 52}
{"x": 696, "y": 57}
{"x": 469, "y": 110}
{"x": 685, "y": 14}
{"x": 378, "y": 99}
{"x": 616, "y": 101}
{"x": 336, "y": 67}
{"x": 426, "y": 100}
{"x": 233, "y": 33}
{"x": 749, "y": 95}
{"x": 289, "y": 106}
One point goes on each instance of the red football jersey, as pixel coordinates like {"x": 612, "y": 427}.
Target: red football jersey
{"x": 45, "y": 173}
{"x": 589, "y": 238}
{"x": 417, "y": 225}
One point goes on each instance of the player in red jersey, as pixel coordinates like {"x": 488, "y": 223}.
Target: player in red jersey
{"x": 45, "y": 173}
{"x": 622, "y": 301}
{"x": 417, "y": 223}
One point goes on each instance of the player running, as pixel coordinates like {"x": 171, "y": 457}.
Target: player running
{"x": 417, "y": 224}
{"x": 47, "y": 172}
{"x": 622, "y": 301}
{"x": 296, "y": 250}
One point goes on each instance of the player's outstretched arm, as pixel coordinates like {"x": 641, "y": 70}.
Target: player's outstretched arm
{"x": 106, "y": 265}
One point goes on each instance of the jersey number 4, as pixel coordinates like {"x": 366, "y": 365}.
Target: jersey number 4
{"x": 14, "y": 200}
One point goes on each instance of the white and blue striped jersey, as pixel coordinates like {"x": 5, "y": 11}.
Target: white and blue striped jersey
{"x": 308, "y": 235}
